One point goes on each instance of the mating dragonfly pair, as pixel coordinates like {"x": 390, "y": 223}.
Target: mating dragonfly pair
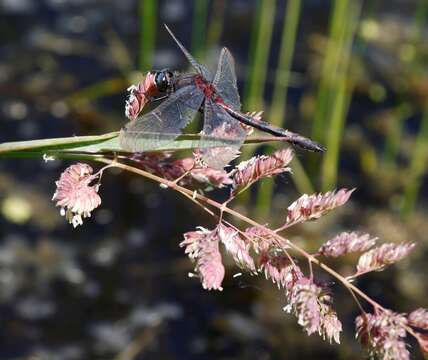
{"x": 184, "y": 95}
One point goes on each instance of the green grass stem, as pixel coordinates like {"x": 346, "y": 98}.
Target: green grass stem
{"x": 259, "y": 56}
{"x": 335, "y": 130}
{"x": 340, "y": 95}
{"x": 215, "y": 27}
{"x": 329, "y": 73}
{"x": 288, "y": 41}
{"x": 279, "y": 100}
{"x": 147, "y": 10}
{"x": 418, "y": 165}
{"x": 200, "y": 13}
{"x": 394, "y": 135}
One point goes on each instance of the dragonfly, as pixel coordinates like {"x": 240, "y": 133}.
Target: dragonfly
{"x": 186, "y": 94}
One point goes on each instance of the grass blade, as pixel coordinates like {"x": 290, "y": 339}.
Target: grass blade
{"x": 200, "y": 14}
{"x": 259, "y": 55}
{"x": 148, "y": 15}
{"x": 394, "y": 135}
{"x": 417, "y": 167}
{"x": 330, "y": 66}
{"x": 279, "y": 100}
{"x": 216, "y": 23}
{"x": 339, "y": 94}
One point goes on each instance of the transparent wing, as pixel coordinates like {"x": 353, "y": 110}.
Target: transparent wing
{"x": 225, "y": 80}
{"x": 161, "y": 126}
{"x": 219, "y": 124}
{"x": 198, "y": 67}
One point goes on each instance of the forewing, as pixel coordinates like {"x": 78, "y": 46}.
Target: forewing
{"x": 225, "y": 80}
{"x": 218, "y": 124}
{"x": 161, "y": 126}
{"x": 198, "y": 67}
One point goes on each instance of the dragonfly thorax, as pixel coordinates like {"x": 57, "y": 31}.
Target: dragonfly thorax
{"x": 206, "y": 87}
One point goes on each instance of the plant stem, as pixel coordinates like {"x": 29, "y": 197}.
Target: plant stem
{"x": 279, "y": 99}
{"x": 289, "y": 32}
{"x": 340, "y": 97}
{"x": 200, "y": 13}
{"x": 148, "y": 15}
{"x": 259, "y": 55}
{"x": 216, "y": 24}
{"x": 329, "y": 68}
{"x": 220, "y": 207}
{"x": 417, "y": 167}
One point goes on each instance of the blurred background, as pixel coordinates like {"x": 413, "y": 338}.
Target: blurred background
{"x": 350, "y": 74}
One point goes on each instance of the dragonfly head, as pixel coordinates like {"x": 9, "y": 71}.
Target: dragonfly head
{"x": 163, "y": 80}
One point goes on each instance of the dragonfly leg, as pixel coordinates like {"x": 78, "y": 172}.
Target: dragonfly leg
{"x": 154, "y": 99}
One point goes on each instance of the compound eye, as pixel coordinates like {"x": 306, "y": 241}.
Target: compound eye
{"x": 161, "y": 81}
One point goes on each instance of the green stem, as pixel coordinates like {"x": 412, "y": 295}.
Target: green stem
{"x": 340, "y": 97}
{"x": 279, "y": 99}
{"x": 148, "y": 15}
{"x": 420, "y": 18}
{"x": 289, "y": 32}
{"x": 200, "y": 14}
{"x": 260, "y": 48}
{"x": 340, "y": 17}
{"x": 55, "y": 143}
{"x": 394, "y": 135}
{"x": 331, "y": 158}
{"x": 417, "y": 167}
{"x": 216, "y": 23}
{"x": 300, "y": 177}
{"x": 259, "y": 66}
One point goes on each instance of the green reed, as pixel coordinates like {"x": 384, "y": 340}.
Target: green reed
{"x": 259, "y": 55}
{"x": 394, "y": 135}
{"x": 199, "y": 25}
{"x": 215, "y": 26}
{"x": 329, "y": 72}
{"x": 261, "y": 35}
{"x": 278, "y": 106}
{"x": 417, "y": 167}
{"x": 335, "y": 88}
{"x": 418, "y": 158}
{"x": 147, "y": 11}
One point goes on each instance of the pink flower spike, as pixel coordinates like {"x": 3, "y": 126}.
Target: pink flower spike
{"x": 419, "y": 318}
{"x": 345, "y": 243}
{"x": 74, "y": 194}
{"x": 311, "y": 303}
{"x": 331, "y": 327}
{"x": 237, "y": 247}
{"x": 383, "y": 335}
{"x": 272, "y": 259}
{"x": 278, "y": 267}
{"x": 214, "y": 177}
{"x": 248, "y": 172}
{"x": 202, "y": 248}
{"x": 303, "y": 302}
{"x": 378, "y": 258}
{"x": 309, "y": 207}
